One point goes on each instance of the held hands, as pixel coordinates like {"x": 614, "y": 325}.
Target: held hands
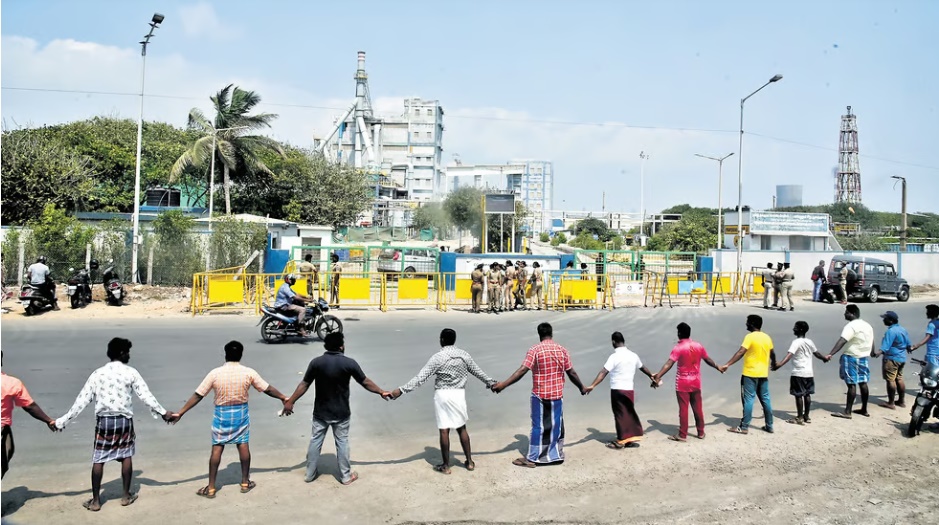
{"x": 827, "y": 358}
{"x": 498, "y": 387}
{"x": 389, "y": 396}
{"x": 722, "y": 368}
{"x": 288, "y": 407}
{"x": 171, "y": 418}
{"x": 52, "y": 427}
{"x": 587, "y": 390}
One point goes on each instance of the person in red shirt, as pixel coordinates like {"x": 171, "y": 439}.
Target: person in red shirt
{"x": 16, "y": 395}
{"x": 688, "y": 354}
{"x": 548, "y": 362}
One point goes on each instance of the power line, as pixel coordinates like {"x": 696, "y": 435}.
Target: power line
{"x": 487, "y": 118}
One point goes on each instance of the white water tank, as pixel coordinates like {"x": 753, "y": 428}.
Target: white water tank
{"x": 788, "y": 195}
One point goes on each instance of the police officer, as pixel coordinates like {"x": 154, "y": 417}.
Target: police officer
{"x": 777, "y": 283}
{"x": 477, "y": 286}
{"x": 336, "y": 270}
{"x": 537, "y": 281}
{"x": 494, "y": 287}
{"x": 767, "y": 276}
{"x": 785, "y": 287}
{"x": 521, "y": 275}
{"x": 508, "y": 288}
{"x": 309, "y": 271}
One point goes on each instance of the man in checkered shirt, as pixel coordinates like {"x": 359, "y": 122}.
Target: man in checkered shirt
{"x": 548, "y": 362}
{"x": 451, "y": 366}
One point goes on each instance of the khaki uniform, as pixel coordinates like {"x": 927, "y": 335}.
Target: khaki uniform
{"x": 843, "y": 282}
{"x": 494, "y": 289}
{"x": 522, "y": 277}
{"x": 785, "y": 288}
{"x": 507, "y": 288}
{"x": 537, "y": 282}
{"x": 477, "y": 288}
{"x": 309, "y": 272}
{"x": 334, "y": 287}
{"x": 767, "y": 275}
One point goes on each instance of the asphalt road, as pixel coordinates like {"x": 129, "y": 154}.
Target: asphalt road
{"x": 54, "y": 359}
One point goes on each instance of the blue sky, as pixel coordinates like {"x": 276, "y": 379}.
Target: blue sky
{"x": 507, "y": 72}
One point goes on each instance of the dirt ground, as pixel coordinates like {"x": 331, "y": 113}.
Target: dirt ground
{"x": 830, "y": 472}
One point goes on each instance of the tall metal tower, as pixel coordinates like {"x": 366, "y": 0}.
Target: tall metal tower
{"x": 359, "y": 117}
{"x": 848, "y": 177}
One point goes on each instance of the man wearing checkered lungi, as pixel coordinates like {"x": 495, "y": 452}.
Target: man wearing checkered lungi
{"x": 231, "y": 424}
{"x": 857, "y": 340}
{"x": 110, "y": 388}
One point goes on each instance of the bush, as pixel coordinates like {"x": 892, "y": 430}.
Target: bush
{"x": 233, "y": 241}
{"x": 177, "y": 252}
{"x": 61, "y": 238}
{"x": 544, "y": 237}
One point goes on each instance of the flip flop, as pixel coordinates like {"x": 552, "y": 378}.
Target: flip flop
{"x": 738, "y": 430}
{"x": 888, "y": 407}
{"x": 129, "y": 500}
{"x": 246, "y": 487}
{"x": 523, "y": 462}
{"x": 631, "y": 444}
{"x": 766, "y": 429}
{"x": 614, "y": 445}
{"x": 206, "y": 492}
{"x": 88, "y": 505}
{"x": 841, "y": 415}
{"x": 701, "y": 436}
{"x": 470, "y": 465}
{"x": 443, "y": 469}
{"x": 861, "y": 413}
{"x": 678, "y": 439}
{"x": 352, "y": 478}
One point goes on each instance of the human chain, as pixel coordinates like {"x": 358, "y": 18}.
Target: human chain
{"x": 113, "y": 386}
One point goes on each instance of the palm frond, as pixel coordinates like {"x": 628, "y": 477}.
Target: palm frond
{"x": 243, "y": 101}
{"x": 198, "y": 121}
{"x": 228, "y": 153}
{"x": 254, "y": 143}
{"x": 196, "y": 155}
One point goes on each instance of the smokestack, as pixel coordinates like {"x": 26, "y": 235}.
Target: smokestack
{"x": 361, "y": 60}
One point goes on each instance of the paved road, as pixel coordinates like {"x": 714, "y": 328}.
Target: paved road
{"x": 174, "y": 354}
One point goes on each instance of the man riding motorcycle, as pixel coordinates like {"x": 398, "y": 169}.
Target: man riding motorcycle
{"x": 291, "y": 303}
{"x": 39, "y": 275}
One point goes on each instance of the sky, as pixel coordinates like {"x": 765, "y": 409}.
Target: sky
{"x": 588, "y": 84}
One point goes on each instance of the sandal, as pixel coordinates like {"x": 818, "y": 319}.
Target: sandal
{"x": 206, "y": 492}
{"x": 796, "y": 421}
{"x": 862, "y": 413}
{"x": 246, "y": 487}
{"x": 470, "y": 465}
{"x": 678, "y": 439}
{"x": 352, "y": 478}
{"x": 441, "y": 468}
{"x": 841, "y": 415}
{"x": 738, "y": 430}
{"x": 523, "y": 462}
{"x": 90, "y": 505}
{"x": 700, "y": 436}
{"x": 614, "y": 445}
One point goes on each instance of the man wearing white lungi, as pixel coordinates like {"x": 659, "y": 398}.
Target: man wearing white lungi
{"x": 452, "y": 367}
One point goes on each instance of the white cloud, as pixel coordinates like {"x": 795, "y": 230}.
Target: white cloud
{"x": 200, "y": 20}
{"x": 589, "y": 159}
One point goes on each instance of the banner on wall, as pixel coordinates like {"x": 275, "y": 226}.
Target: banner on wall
{"x": 787, "y": 223}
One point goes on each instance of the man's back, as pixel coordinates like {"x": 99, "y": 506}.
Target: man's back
{"x": 284, "y": 296}
{"x": 330, "y": 374}
{"x": 231, "y": 383}
{"x": 38, "y": 273}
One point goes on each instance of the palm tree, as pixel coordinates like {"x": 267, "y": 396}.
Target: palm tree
{"x": 235, "y": 149}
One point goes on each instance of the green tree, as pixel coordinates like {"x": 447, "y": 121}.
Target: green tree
{"x": 60, "y": 237}
{"x": 236, "y": 149}
{"x": 233, "y": 241}
{"x": 559, "y": 239}
{"x": 593, "y": 226}
{"x": 464, "y": 207}
{"x": 862, "y": 242}
{"x": 177, "y": 253}
{"x": 431, "y": 216}
{"x": 695, "y": 232}
{"x": 544, "y": 237}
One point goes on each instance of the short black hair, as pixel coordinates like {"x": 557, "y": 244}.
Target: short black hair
{"x": 334, "y": 257}
{"x": 684, "y": 331}
{"x": 233, "y": 351}
{"x": 117, "y": 347}
{"x": 308, "y": 257}
{"x": 853, "y": 309}
{"x": 570, "y": 264}
{"x": 755, "y": 321}
{"x": 448, "y": 337}
{"x": 769, "y": 265}
{"x": 932, "y": 311}
{"x": 333, "y": 341}
{"x": 618, "y": 338}
{"x": 802, "y": 327}
{"x": 545, "y": 331}
{"x": 583, "y": 265}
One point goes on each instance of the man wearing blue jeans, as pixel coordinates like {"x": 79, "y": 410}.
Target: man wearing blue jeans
{"x": 818, "y": 277}
{"x": 331, "y": 372}
{"x": 757, "y": 353}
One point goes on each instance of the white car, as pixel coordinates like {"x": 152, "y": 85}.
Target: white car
{"x": 414, "y": 261}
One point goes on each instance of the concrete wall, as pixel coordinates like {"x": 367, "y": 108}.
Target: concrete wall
{"x": 916, "y": 268}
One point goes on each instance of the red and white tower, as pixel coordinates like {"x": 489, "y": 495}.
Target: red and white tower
{"x": 848, "y": 177}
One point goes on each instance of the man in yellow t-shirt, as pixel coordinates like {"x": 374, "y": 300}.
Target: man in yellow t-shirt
{"x": 757, "y": 353}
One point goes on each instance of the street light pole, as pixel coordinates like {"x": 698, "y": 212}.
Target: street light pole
{"x": 135, "y": 241}
{"x": 720, "y": 193}
{"x": 776, "y": 78}
{"x": 642, "y": 195}
{"x": 903, "y": 232}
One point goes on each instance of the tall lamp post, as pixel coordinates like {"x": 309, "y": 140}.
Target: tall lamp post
{"x": 642, "y": 195}
{"x": 154, "y": 23}
{"x": 776, "y": 78}
{"x": 903, "y": 232}
{"x": 720, "y": 193}
{"x": 212, "y": 184}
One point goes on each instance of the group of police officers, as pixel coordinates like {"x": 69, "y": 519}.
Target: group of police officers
{"x": 506, "y": 286}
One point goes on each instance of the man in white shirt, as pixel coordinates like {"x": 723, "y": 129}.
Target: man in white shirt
{"x": 621, "y": 367}
{"x": 38, "y": 274}
{"x": 857, "y": 340}
{"x": 110, "y": 387}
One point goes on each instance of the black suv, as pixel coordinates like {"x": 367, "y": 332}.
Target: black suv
{"x": 868, "y": 278}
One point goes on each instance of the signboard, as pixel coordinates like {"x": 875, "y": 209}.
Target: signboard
{"x": 628, "y": 288}
{"x": 731, "y": 229}
{"x": 500, "y": 203}
{"x": 786, "y": 223}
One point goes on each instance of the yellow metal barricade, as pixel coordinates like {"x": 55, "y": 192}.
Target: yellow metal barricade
{"x": 576, "y": 290}
{"x": 351, "y": 288}
{"x": 417, "y": 290}
{"x": 455, "y": 290}
{"x": 223, "y": 289}
{"x": 626, "y": 289}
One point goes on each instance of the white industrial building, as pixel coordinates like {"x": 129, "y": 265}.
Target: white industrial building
{"x": 531, "y": 180}
{"x": 775, "y": 230}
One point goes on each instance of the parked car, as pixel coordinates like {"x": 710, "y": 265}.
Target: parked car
{"x": 414, "y": 261}
{"x": 868, "y": 278}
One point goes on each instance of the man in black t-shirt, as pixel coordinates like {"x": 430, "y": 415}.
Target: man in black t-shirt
{"x": 331, "y": 373}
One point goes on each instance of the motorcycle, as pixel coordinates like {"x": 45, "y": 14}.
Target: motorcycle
{"x": 79, "y": 288}
{"x": 113, "y": 289}
{"x": 276, "y": 327}
{"x": 33, "y": 300}
{"x": 927, "y": 400}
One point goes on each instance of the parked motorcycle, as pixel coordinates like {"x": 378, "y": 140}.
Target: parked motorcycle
{"x": 79, "y": 288}
{"x": 276, "y": 326}
{"x": 927, "y": 400}
{"x": 113, "y": 289}
{"x": 33, "y": 300}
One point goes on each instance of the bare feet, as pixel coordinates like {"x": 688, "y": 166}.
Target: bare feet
{"x": 92, "y": 505}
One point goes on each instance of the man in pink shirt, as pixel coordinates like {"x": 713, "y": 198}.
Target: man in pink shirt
{"x": 16, "y": 395}
{"x": 688, "y": 354}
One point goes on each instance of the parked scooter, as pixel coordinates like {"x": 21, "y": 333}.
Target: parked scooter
{"x": 79, "y": 288}
{"x": 113, "y": 289}
{"x": 33, "y": 300}
{"x": 276, "y": 326}
{"x": 927, "y": 400}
